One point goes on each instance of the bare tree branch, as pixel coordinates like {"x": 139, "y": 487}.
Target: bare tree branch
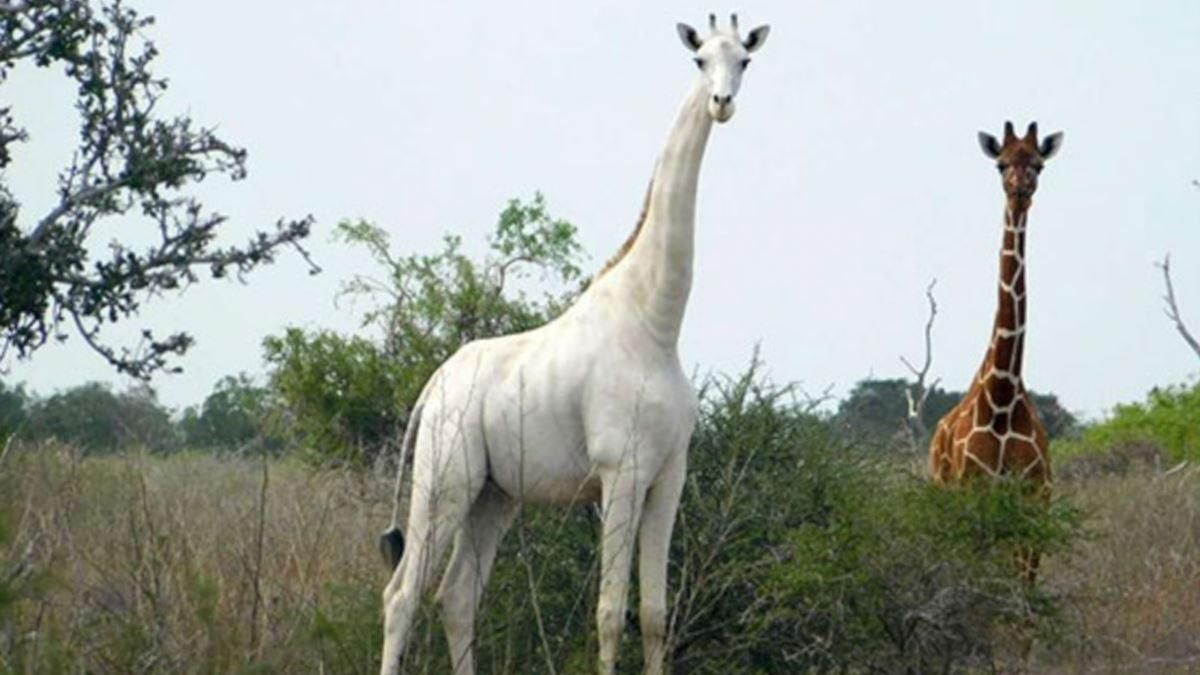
{"x": 1172, "y": 308}
{"x": 917, "y": 393}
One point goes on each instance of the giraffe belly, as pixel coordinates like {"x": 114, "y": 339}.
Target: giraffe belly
{"x": 533, "y": 427}
{"x": 581, "y": 396}
{"x": 536, "y": 450}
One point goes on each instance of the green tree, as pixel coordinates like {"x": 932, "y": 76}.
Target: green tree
{"x": 235, "y": 415}
{"x": 96, "y": 420}
{"x": 1169, "y": 419}
{"x": 1060, "y": 422}
{"x": 874, "y": 411}
{"x": 341, "y": 395}
{"x": 133, "y": 168}
{"x": 349, "y": 397}
{"x": 13, "y": 402}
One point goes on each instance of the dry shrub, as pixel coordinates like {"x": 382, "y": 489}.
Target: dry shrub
{"x": 188, "y": 564}
{"x": 1137, "y": 579}
{"x": 1117, "y": 460}
{"x": 143, "y": 564}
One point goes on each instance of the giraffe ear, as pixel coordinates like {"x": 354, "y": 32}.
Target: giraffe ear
{"x": 756, "y": 38}
{"x": 1050, "y": 145}
{"x": 688, "y": 34}
{"x": 989, "y": 144}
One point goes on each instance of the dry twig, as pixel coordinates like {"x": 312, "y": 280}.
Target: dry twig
{"x": 1172, "y": 309}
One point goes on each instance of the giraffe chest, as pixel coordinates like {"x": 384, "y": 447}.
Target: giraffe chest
{"x": 997, "y": 440}
{"x": 549, "y": 415}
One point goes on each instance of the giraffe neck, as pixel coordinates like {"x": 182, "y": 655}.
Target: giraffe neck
{"x": 1001, "y": 371}
{"x": 658, "y": 267}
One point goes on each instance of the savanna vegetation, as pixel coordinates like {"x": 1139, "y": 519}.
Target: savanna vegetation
{"x": 795, "y": 552}
{"x": 239, "y": 534}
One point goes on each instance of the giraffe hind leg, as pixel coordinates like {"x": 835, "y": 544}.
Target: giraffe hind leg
{"x": 448, "y": 476}
{"x": 467, "y": 574}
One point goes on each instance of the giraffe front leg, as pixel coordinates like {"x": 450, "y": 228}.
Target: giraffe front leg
{"x": 621, "y": 499}
{"x": 654, "y": 543}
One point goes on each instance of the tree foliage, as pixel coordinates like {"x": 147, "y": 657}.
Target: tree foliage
{"x": 1168, "y": 420}
{"x": 94, "y": 419}
{"x": 341, "y": 395}
{"x": 906, "y": 577}
{"x": 875, "y": 411}
{"x": 349, "y": 396}
{"x": 13, "y": 402}
{"x": 236, "y": 415}
{"x": 133, "y": 167}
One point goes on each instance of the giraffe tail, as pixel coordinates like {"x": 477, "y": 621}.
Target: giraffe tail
{"x": 391, "y": 542}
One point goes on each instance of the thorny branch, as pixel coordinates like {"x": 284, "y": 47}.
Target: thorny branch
{"x": 917, "y": 393}
{"x": 130, "y": 165}
{"x": 1172, "y": 308}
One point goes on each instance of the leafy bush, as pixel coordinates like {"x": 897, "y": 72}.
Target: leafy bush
{"x": 1168, "y": 419}
{"x": 341, "y": 395}
{"x": 907, "y": 577}
{"x": 349, "y": 397}
{"x": 799, "y": 550}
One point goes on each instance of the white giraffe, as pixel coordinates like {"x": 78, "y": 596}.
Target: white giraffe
{"x": 592, "y": 406}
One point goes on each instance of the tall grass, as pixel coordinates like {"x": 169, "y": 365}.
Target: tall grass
{"x": 1136, "y": 582}
{"x": 785, "y": 561}
{"x": 187, "y": 564}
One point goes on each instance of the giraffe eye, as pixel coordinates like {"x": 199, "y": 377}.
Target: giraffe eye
{"x": 745, "y": 63}
{"x": 699, "y": 62}
{"x": 1000, "y": 167}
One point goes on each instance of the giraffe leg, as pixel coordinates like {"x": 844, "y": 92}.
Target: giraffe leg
{"x": 426, "y": 545}
{"x": 654, "y": 542}
{"x": 1028, "y": 560}
{"x": 470, "y": 566}
{"x": 447, "y": 479}
{"x": 1029, "y": 557}
{"x": 622, "y": 500}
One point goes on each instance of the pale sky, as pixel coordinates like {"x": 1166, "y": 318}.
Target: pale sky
{"x": 849, "y": 177}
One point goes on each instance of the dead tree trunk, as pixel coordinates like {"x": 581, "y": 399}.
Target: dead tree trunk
{"x": 917, "y": 392}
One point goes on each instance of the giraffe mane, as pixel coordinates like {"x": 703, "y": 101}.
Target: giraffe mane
{"x": 632, "y": 238}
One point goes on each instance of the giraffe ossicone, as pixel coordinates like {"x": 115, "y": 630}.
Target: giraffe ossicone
{"x": 592, "y": 406}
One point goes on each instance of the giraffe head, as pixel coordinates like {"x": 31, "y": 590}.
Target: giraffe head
{"x": 1020, "y": 160}
{"x": 722, "y": 58}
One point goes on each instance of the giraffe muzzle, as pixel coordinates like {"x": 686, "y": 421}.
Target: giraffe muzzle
{"x": 721, "y": 108}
